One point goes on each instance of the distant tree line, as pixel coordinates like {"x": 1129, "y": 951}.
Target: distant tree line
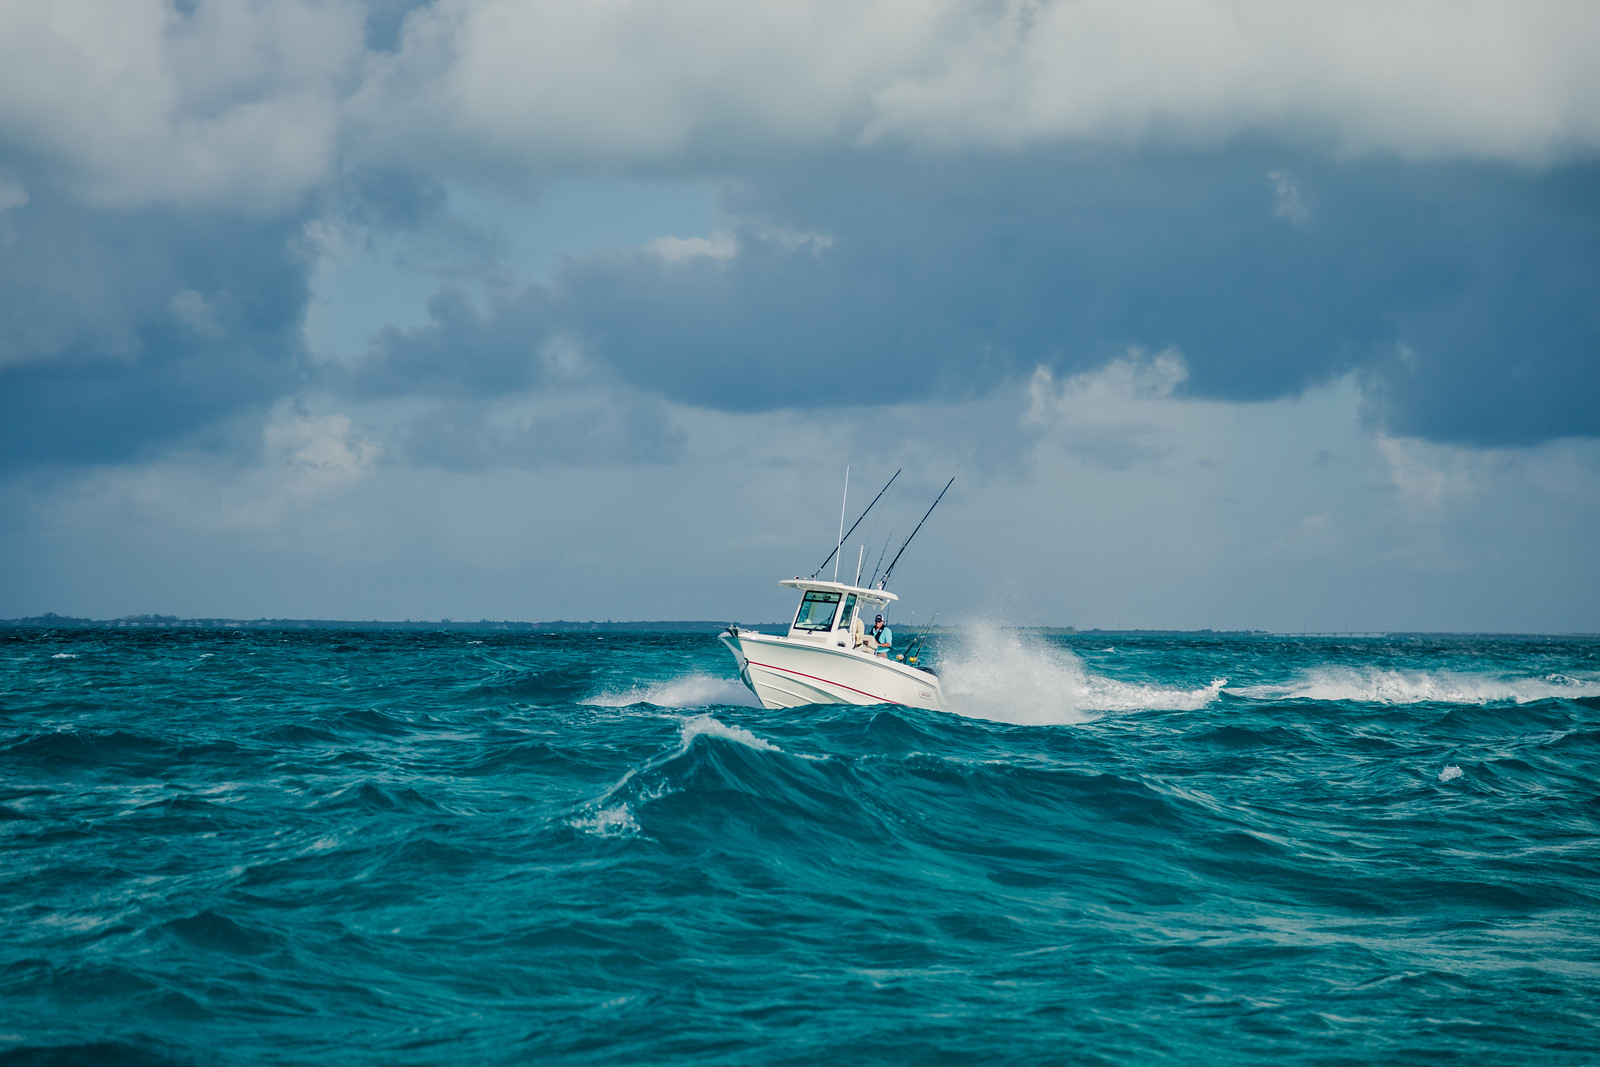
{"x": 51, "y": 620}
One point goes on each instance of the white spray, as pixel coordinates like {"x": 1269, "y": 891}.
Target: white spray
{"x": 988, "y": 672}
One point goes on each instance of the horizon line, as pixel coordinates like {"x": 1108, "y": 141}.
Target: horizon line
{"x": 173, "y": 622}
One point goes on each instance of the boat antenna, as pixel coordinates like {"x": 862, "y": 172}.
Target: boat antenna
{"x": 885, "y": 579}
{"x": 853, "y": 526}
{"x": 840, "y": 544}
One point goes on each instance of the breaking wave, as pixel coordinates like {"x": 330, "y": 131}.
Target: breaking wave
{"x": 706, "y": 726}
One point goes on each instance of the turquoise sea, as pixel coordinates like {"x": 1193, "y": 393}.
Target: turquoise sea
{"x": 457, "y": 847}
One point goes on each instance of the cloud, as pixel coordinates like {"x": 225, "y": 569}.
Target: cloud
{"x": 121, "y": 331}
{"x": 1421, "y": 80}
{"x": 507, "y": 388}
{"x": 1280, "y": 514}
{"x": 898, "y": 276}
{"x": 257, "y": 104}
{"x": 1190, "y": 293}
{"x": 921, "y": 202}
{"x": 295, "y": 470}
{"x": 719, "y": 245}
{"x": 325, "y": 445}
{"x": 201, "y": 316}
{"x": 547, "y": 84}
{"x": 1428, "y": 477}
{"x": 461, "y": 352}
{"x": 134, "y": 102}
{"x": 1106, "y": 417}
{"x": 1135, "y": 376}
{"x": 870, "y": 279}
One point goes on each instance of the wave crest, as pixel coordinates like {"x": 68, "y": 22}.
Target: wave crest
{"x": 705, "y": 725}
{"x": 613, "y": 813}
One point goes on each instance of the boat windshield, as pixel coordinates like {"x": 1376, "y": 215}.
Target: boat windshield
{"x": 816, "y": 610}
{"x": 848, "y": 612}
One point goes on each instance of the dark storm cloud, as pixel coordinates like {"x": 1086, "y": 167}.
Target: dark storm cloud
{"x": 1510, "y": 352}
{"x": 123, "y": 330}
{"x": 462, "y": 352}
{"x": 1464, "y": 294}
{"x": 945, "y": 269}
{"x": 380, "y": 202}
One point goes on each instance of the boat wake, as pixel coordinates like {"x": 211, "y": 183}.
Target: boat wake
{"x": 989, "y": 672}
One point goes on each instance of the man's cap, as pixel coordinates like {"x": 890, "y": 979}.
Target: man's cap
{"x": 878, "y": 619}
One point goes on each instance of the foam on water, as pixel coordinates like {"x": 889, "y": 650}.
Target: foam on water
{"x": 1378, "y": 685}
{"x": 989, "y": 672}
{"x": 688, "y": 691}
{"x": 615, "y": 820}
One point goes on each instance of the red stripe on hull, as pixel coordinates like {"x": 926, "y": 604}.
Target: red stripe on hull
{"x": 824, "y": 681}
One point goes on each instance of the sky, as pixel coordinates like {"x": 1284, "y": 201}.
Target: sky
{"x": 1240, "y": 314}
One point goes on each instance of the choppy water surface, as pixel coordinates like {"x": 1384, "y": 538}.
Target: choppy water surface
{"x": 416, "y": 848}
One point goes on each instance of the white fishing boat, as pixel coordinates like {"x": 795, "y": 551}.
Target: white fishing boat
{"x": 819, "y": 661}
{"x": 828, "y": 656}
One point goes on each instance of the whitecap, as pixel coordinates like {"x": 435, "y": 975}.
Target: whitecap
{"x": 1380, "y": 685}
{"x": 65, "y": 655}
{"x": 1450, "y": 773}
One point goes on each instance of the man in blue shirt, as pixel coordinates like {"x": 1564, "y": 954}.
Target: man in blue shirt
{"x": 882, "y": 635}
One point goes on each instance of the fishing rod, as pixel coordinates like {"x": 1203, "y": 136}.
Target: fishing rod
{"x": 885, "y": 579}
{"x": 853, "y": 526}
{"x": 884, "y": 551}
{"x": 914, "y": 646}
{"x": 866, "y": 543}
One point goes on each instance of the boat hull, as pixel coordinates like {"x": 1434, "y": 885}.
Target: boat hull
{"x": 785, "y": 672}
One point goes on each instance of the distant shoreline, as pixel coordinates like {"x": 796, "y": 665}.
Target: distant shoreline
{"x": 172, "y": 622}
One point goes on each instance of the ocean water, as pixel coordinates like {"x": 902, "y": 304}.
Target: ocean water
{"x": 399, "y": 847}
